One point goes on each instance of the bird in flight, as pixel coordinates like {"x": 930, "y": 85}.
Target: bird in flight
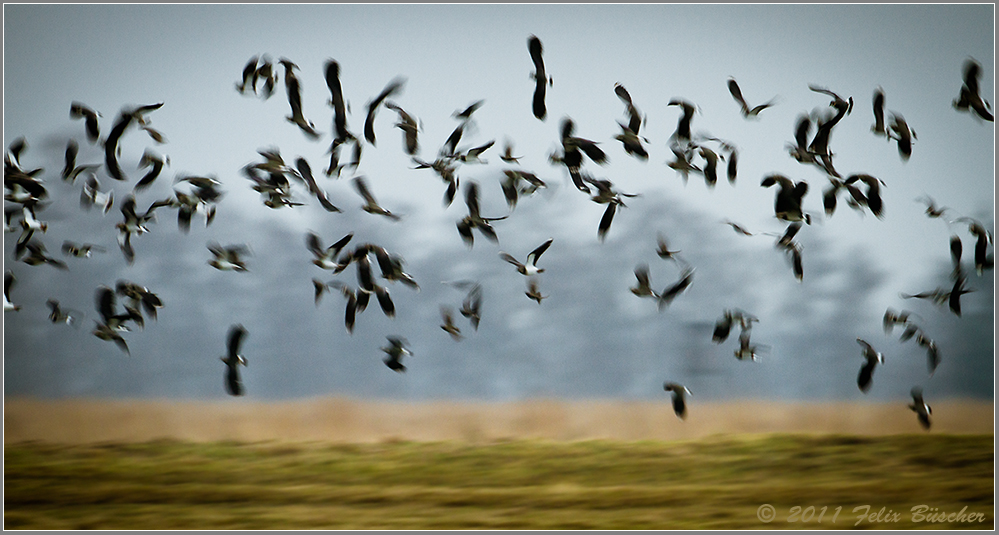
{"x": 680, "y": 393}
{"x": 541, "y": 78}
{"x": 233, "y": 359}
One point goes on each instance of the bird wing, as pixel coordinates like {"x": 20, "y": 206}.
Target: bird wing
{"x": 236, "y": 335}
{"x": 534, "y": 255}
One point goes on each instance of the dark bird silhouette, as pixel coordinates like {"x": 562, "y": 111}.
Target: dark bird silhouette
{"x": 747, "y": 111}
{"x": 474, "y": 219}
{"x": 465, "y": 114}
{"x": 327, "y": 257}
{"x": 112, "y": 324}
{"x": 970, "y": 96}
{"x": 512, "y": 188}
{"x": 682, "y": 132}
{"x": 140, "y": 298}
{"x": 371, "y": 206}
{"x": 643, "y": 287}
{"x": 530, "y": 266}
{"x": 409, "y": 126}
{"x": 393, "y": 87}
{"x": 447, "y": 316}
{"x": 679, "y": 398}
{"x": 799, "y": 149}
{"x": 249, "y": 71}
{"x": 899, "y": 131}
{"x": 394, "y": 353}
{"x": 983, "y": 238}
{"x": 357, "y": 301}
{"x": 36, "y": 255}
{"x": 670, "y": 292}
{"x": 155, "y": 164}
{"x": 111, "y": 164}
{"x": 954, "y": 298}
{"x": 872, "y": 197}
{"x": 634, "y": 116}
{"x": 540, "y": 76}
{"x": 78, "y": 110}
{"x": 294, "y": 89}
{"x": 337, "y": 101}
{"x": 872, "y": 359}
{"x": 932, "y": 352}
{"x": 228, "y": 257}
{"x": 879, "y": 113}
{"x": 606, "y": 194}
{"x": 305, "y": 174}
{"x": 57, "y": 314}
{"x": 233, "y": 359}
{"x": 920, "y": 407}
{"x": 787, "y": 203}
{"x": 8, "y": 282}
{"x": 662, "y": 248}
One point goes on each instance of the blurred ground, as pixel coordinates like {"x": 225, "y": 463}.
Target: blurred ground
{"x": 351, "y": 421}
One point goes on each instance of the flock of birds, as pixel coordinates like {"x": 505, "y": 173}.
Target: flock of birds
{"x": 274, "y": 178}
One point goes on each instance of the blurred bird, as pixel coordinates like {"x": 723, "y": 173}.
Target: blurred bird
{"x": 59, "y": 315}
{"x": 662, "y": 248}
{"x": 79, "y": 110}
{"x": 643, "y": 288}
{"x": 534, "y": 290}
{"x": 294, "y": 89}
{"x": 370, "y": 204}
{"x": 395, "y": 351}
{"x": 229, "y": 257}
{"x": 970, "y": 96}
{"x": 872, "y": 359}
{"x": 899, "y": 131}
{"x": 666, "y": 297}
{"x": 233, "y": 359}
{"x": 340, "y": 131}
{"x": 530, "y": 267}
{"x": 507, "y": 155}
{"x": 787, "y": 203}
{"x": 932, "y": 352}
{"x": 139, "y": 297}
{"x": 983, "y": 238}
{"x": 8, "y": 281}
{"x": 249, "y": 70}
{"x": 155, "y": 164}
{"x": 305, "y": 175}
{"x": 932, "y": 210}
{"x": 679, "y": 398}
{"x": 474, "y": 219}
{"x": 747, "y": 111}
{"x": 448, "y": 326}
{"x": 394, "y": 87}
{"x": 540, "y": 76}
{"x": 879, "y": 113}
{"x": 91, "y": 195}
{"x": 410, "y": 128}
{"x": 920, "y": 407}
{"x": 326, "y": 257}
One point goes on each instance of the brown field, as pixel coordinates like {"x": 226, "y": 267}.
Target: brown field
{"x": 341, "y": 420}
{"x": 348, "y": 464}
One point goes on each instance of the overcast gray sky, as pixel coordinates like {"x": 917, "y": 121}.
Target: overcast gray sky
{"x": 591, "y": 337}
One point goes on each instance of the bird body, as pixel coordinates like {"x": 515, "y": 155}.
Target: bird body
{"x": 872, "y": 359}
{"x": 920, "y": 407}
{"x": 679, "y": 398}
{"x": 233, "y": 359}
{"x": 530, "y": 267}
